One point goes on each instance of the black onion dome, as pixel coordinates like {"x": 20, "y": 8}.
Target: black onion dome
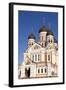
{"x": 31, "y": 36}
{"x": 55, "y": 40}
{"x": 50, "y": 33}
{"x": 43, "y": 29}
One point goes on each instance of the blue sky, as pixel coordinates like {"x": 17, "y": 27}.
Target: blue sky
{"x": 31, "y": 21}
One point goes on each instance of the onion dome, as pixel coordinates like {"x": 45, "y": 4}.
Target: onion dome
{"x": 55, "y": 40}
{"x": 50, "y": 33}
{"x": 31, "y": 36}
{"x": 43, "y": 29}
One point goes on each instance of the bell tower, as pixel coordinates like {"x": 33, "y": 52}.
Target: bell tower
{"x": 43, "y": 32}
{"x": 31, "y": 40}
{"x": 50, "y": 39}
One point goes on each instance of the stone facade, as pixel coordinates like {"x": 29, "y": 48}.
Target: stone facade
{"x": 40, "y": 58}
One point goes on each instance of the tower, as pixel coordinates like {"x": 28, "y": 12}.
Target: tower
{"x": 50, "y": 39}
{"x": 43, "y": 31}
{"x": 31, "y": 40}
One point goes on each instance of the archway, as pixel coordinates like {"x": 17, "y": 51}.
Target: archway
{"x": 27, "y": 72}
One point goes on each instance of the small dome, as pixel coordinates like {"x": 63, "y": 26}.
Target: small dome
{"x": 50, "y": 33}
{"x": 43, "y": 29}
{"x": 31, "y": 36}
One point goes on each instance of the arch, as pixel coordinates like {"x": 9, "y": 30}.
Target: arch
{"x": 27, "y": 72}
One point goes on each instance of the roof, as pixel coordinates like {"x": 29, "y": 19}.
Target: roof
{"x": 31, "y": 36}
{"x": 43, "y": 29}
{"x": 50, "y": 33}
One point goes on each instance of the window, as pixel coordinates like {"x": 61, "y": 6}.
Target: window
{"x": 45, "y": 43}
{"x": 38, "y": 70}
{"x": 29, "y": 44}
{"x": 48, "y": 57}
{"x": 41, "y": 70}
{"x": 32, "y": 43}
{"x": 32, "y": 57}
{"x": 42, "y": 44}
{"x": 45, "y": 57}
{"x": 49, "y": 41}
{"x": 42, "y": 38}
{"x": 38, "y": 57}
{"x": 36, "y": 47}
{"x": 52, "y": 73}
{"x": 19, "y": 74}
{"x": 45, "y": 70}
{"x": 35, "y": 57}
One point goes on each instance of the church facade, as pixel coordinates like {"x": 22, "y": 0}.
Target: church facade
{"x": 41, "y": 57}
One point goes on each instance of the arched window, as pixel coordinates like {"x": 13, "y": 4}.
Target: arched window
{"x": 38, "y": 70}
{"x": 52, "y": 73}
{"x": 42, "y": 44}
{"x": 41, "y": 70}
{"x": 48, "y": 57}
{"x": 19, "y": 74}
{"x": 51, "y": 41}
{"x": 42, "y": 38}
{"x": 45, "y": 70}
{"x": 45, "y": 56}
{"x": 35, "y": 57}
{"x": 32, "y": 43}
{"x": 36, "y": 47}
{"x": 38, "y": 57}
{"x": 32, "y": 57}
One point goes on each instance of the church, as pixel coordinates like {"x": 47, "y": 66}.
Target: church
{"x": 40, "y": 57}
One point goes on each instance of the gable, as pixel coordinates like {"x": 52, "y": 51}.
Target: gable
{"x": 36, "y": 46}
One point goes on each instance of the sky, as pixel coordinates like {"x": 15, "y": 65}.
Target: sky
{"x": 31, "y": 22}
